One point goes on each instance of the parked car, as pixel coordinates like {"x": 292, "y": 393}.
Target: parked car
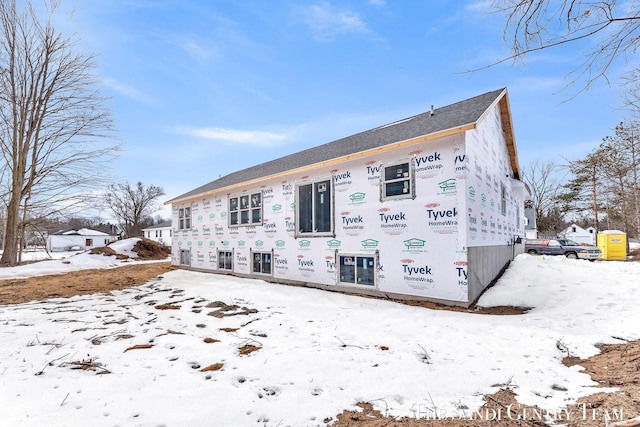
{"x": 565, "y": 247}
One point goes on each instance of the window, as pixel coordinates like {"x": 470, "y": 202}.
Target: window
{"x": 225, "y": 260}
{"x": 503, "y": 199}
{"x": 160, "y": 233}
{"x": 88, "y": 242}
{"x": 184, "y": 219}
{"x": 245, "y": 210}
{"x": 185, "y": 257}
{"x": 397, "y": 181}
{"x": 261, "y": 262}
{"x": 314, "y": 209}
{"x": 357, "y": 269}
{"x": 156, "y": 233}
{"x": 573, "y": 229}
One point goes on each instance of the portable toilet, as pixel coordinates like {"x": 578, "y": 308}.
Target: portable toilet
{"x": 613, "y": 244}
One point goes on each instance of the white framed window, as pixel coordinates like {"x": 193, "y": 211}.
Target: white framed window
{"x": 314, "y": 208}
{"x": 397, "y": 181}
{"x": 261, "y": 262}
{"x": 357, "y": 269}
{"x": 245, "y": 210}
{"x": 184, "y": 218}
{"x": 225, "y": 260}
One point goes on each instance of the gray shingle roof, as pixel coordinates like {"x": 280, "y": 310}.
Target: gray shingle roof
{"x": 450, "y": 117}
{"x": 163, "y": 224}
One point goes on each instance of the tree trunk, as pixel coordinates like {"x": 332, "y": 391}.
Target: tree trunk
{"x": 10, "y": 253}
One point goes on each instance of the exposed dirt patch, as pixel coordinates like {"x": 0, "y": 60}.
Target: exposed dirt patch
{"x": 214, "y": 367}
{"x": 139, "y": 347}
{"x": 248, "y": 349}
{"x": 499, "y": 310}
{"x": 81, "y": 282}
{"x": 617, "y": 365}
{"x": 499, "y": 409}
{"x": 225, "y": 310}
{"x": 88, "y": 365}
{"x": 167, "y": 306}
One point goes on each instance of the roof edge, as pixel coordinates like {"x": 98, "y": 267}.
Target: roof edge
{"x": 360, "y": 154}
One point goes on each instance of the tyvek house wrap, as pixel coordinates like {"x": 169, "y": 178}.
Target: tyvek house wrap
{"x": 462, "y": 199}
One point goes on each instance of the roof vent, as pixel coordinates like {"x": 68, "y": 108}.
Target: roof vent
{"x": 432, "y": 112}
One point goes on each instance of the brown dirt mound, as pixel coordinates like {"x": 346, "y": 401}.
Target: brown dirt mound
{"x": 147, "y": 250}
{"x": 107, "y": 251}
{"x": 150, "y": 250}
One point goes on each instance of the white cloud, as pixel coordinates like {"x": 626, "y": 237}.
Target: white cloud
{"x": 196, "y": 51}
{"x": 244, "y": 137}
{"x": 479, "y": 6}
{"x": 327, "y": 21}
{"x": 128, "y": 91}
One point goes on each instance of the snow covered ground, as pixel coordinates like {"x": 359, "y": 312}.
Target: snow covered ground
{"x": 64, "y": 262}
{"x": 130, "y": 359}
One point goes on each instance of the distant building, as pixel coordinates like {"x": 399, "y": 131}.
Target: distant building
{"x": 580, "y": 235}
{"x": 78, "y": 240}
{"x": 530, "y": 226}
{"x": 160, "y": 233}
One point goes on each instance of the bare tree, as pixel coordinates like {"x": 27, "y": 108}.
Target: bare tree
{"x": 132, "y": 205}
{"x": 543, "y": 181}
{"x": 613, "y": 28}
{"x": 54, "y": 127}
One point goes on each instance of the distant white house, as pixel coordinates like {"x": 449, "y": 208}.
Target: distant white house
{"x": 78, "y": 239}
{"x": 160, "y": 233}
{"x": 530, "y": 226}
{"x": 580, "y": 235}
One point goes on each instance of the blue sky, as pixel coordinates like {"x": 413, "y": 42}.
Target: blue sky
{"x": 200, "y": 88}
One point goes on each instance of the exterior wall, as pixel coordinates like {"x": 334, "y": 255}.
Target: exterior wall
{"x": 161, "y": 235}
{"x": 420, "y": 245}
{"x": 486, "y": 263}
{"x": 60, "y": 243}
{"x": 494, "y": 205}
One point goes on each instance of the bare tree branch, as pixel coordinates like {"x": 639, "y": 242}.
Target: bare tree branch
{"x": 55, "y": 132}
{"x": 612, "y": 27}
{"x": 131, "y": 205}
